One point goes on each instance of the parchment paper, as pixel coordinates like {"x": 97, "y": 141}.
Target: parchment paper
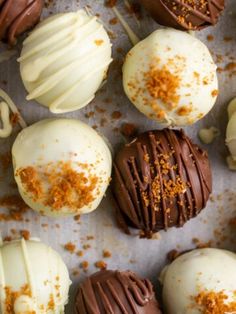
{"x": 146, "y": 257}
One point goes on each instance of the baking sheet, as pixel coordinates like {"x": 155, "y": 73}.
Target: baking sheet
{"x": 146, "y": 257}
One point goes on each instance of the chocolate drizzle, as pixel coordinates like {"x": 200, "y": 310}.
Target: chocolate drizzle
{"x": 160, "y": 180}
{"x": 15, "y": 19}
{"x": 115, "y": 292}
{"x": 185, "y": 14}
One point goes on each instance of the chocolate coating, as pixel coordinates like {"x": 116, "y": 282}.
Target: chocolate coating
{"x": 15, "y": 19}
{"x": 185, "y": 14}
{"x": 160, "y": 180}
{"x": 116, "y": 292}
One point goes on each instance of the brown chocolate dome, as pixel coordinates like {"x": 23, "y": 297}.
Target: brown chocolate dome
{"x": 160, "y": 180}
{"x": 116, "y": 292}
{"x": 16, "y": 18}
{"x": 185, "y": 14}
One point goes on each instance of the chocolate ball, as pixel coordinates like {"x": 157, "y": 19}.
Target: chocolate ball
{"x": 185, "y": 14}
{"x": 160, "y": 180}
{"x": 116, "y": 292}
{"x": 15, "y": 19}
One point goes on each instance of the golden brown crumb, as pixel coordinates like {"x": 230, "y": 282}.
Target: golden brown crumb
{"x": 25, "y": 234}
{"x": 106, "y": 254}
{"x": 84, "y": 265}
{"x": 70, "y": 247}
{"x": 100, "y": 265}
{"x": 215, "y": 302}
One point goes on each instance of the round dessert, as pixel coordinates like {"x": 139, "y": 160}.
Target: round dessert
{"x": 201, "y": 281}
{"x": 65, "y": 60}
{"x": 185, "y": 14}
{"x": 33, "y": 279}
{"x": 160, "y": 180}
{"x": 171, "y": 77}
{"x": 62, "y": 167}
{"x": 16, "y": 19}
{"x": 116, "y": 292}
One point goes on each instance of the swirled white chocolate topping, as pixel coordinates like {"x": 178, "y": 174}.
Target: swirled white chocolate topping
{"x": 65, "y": 60}
{"x": 33, "y": 279}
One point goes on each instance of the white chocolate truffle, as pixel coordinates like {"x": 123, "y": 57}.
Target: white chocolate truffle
{"x": 33, "y": 279}
{"x": 62, "y": 167}
{"x": 231, "y": 129}
{"x": 65, "y": 60}
{"x": 171, "y": 77}
{"x": 197, "y": 279}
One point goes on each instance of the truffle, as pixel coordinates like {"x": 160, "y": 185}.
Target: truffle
{"x": 185, "y": 14}
{"x": 168, "y": 80}
{"x": 161, "y": 179}
{"x": 116, "y": 292}
{"x": 65, "y": 60}
{"x": 62, "y": 167}
{"x": 200, "y": 281}
{"x": 33, "y": 278}
{"x": 15, "y": 19}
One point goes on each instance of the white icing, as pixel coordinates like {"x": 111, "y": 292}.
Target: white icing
{"x": 183, "y": 55}
{"x": 198, "y": 271}
{"x": 64, "y": 61}
{"x": 13, "y": 107}
{"x": 6, "y": 130}
{"x": 56, "y": 140}
{"x": 36, "y": 265}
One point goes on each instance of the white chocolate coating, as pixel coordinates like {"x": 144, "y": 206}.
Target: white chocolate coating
{"x": 183, "y": 56}
{"x": 37, "y": 274}
{"x": 231, "y": 129}
{"x": 65, "y": 60}
{"x": 53, "y": 141}
{"x": 191, "y": 273}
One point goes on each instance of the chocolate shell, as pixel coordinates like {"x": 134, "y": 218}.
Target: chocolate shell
{"x": 185, "y": 14}
{"x": 15, "y": 19}
{"x": 160, "y": 180}
{"x": 116, "y": 292}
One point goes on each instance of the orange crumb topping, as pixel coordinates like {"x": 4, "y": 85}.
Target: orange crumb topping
{"x": 70, "y": 247}
{"x": 100, "y": 265}
{"x": 65, "y": 185}
{"x": 162, "y": 84}
{"x": 215, "y": 302}
{"x": 29, "y": 177}
{"x": 106, "y": 254}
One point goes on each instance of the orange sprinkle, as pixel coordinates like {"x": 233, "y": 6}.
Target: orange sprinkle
{"x": 70, "y": 247}
{"x": 162, "y": 84}
{"x": 215, "y": 302}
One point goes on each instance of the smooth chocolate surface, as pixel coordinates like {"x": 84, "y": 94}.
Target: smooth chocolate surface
{"x": 116, "y": 292}
{"x": 160, "y": 180}
{"x": 185, "y": 14}
{"x": 16, "y": 17}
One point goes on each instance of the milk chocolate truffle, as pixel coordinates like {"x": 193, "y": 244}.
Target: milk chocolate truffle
{"x": 160, "y": 180}
{"x": 33, "y": 279}
{"x": 185, "y": 14}
{"x": 170, "y": 77}
{"x": 64, "y": 61}
{"x": 62, "y": 167}
{"x": 200, "y": 281}
{"x": 116, "y": 292}
{"x": 16, "y": 18}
